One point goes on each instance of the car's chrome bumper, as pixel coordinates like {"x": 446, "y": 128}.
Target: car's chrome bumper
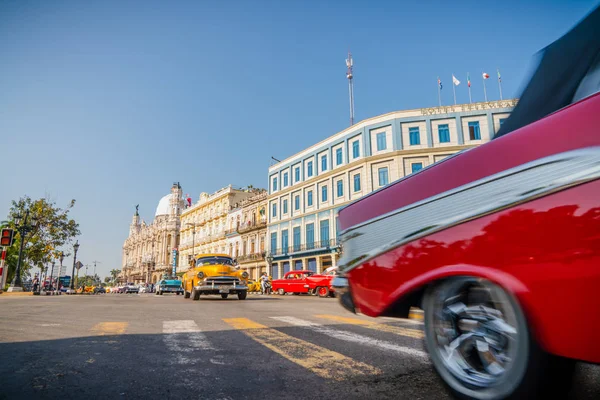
{"x": 168, "y": 289}
{"x": 341, "y": 287}
{"x": 220, "y": 288}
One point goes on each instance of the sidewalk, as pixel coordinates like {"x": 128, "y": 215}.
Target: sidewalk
{"x": 7, "y": 294}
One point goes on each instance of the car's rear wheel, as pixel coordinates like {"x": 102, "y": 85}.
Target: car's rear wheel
{"x": 195, "y": 294}
{"x": 281, "y": 291}
{"x": 479, "y": 342}
{"x": 224, "y": 295}
{"x": 242, "y": 295}
{"x": 323, "y": 291}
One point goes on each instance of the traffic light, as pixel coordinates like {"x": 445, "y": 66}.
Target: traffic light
{"x": 7, "y": 237}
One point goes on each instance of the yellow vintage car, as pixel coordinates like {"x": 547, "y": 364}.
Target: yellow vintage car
{"x": 253, "y": 286}
{"x": 214, "y": 274}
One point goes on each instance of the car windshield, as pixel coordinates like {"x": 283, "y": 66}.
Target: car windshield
{"x": 214, "y": 261}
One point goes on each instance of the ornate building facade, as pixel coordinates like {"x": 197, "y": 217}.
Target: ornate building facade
{"x": 148, "y": 251}
{"x": 204, "y": 224}
{"x": 252, "y": 233}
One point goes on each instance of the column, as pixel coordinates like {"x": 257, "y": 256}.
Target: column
{"x": 333, "y": 258}
{"x": 319, "y": 265}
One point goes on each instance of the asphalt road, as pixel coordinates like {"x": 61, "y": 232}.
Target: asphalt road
{"x": 145, "y": 346}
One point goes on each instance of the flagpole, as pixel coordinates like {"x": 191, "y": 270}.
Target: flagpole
{"x": 484, "y": 91}
{"x": 439, "y": 92}
{"x": 454, "y": 89}
{"x": 469, "y": 84}
{"x": 499, "y": 83}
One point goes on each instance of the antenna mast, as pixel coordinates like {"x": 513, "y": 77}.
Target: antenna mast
{"x": 349, "y": 76}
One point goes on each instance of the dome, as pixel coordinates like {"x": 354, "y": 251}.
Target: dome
{"x": 163, "y": 205}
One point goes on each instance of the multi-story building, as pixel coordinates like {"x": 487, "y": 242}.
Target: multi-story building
{"x": 307, "y": 189}
{"x": 252, "y": 230}
{"x": 204, "y": 224}
{"x": 148, "y": 251}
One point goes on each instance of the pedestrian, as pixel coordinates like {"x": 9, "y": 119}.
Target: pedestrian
{"x": 264, "y": 280}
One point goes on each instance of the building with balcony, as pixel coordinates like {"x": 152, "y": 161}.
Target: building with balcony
{"x": 204, "y": 224}
{"x": 148, "y": 250}
{"x": 307, "y": 189}
{"x": 251, "y": 230}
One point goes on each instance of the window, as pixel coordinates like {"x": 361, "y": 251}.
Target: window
{"x": 285, "y": 179}
{"x": 284, "y": 241}
{"x": 297, "y": 238}
{"x": 357, "y": 183}
{"x": 381, "y": 144}
{"x": 338, "y": 156}
{"x": 285, "y": 207}
{"x": 340, "y": 188}
{"x": 323, "y": 193}
{"x": 309, "y": 199}
{"x": 309, "y": 167}
{"x": 274, "y": 210}
{"x": 310, "y": 236}
{"x": 324, "y": 163}
{"x": 275, "y": 184}
{"x": 444, "y": 133}
{"x": 324, "y": 232}
{"x": 297, "y": 174}
{"x": 474, "y": 133}
{"x": 273, "y": 242}
{"x": 297, "y": 202}
{"x": 383, "y": 176}
{"x": 417, "y": 166}
{"x": 355, "y": 149}
{"x": 414, "y": 136}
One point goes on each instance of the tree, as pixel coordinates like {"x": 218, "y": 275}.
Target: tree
{"x": 114, "y": 273}
{"x": 54, "y": 230}
{"x": 107, "y": 279}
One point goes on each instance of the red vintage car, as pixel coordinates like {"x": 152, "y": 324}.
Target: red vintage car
{"x": 321, "y": 284}
{"x": 499, "y": 244}
{"x": 292, "y": 282}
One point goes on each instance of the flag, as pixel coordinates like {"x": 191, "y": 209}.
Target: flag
{"x": 455, "y": 81}
{"x": 440, "y": 83}
{"x": 468, "y": 80}
{"x": 485, "y": 75}
{"x": 499, "y": 79}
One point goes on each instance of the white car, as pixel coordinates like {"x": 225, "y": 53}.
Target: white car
{"x": 143, "y": 289}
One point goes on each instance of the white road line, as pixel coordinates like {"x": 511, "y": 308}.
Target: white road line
{"x": 352, "y": 337}
{"x": 184, "y": 338}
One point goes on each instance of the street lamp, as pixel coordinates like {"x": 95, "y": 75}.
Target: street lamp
{"x": 193, "y": 240}
{"x": 75, "y": 248}
{"x": 269, "y": 263}
{"x": 23, "y": 227}
{"x": 61, "y": 257}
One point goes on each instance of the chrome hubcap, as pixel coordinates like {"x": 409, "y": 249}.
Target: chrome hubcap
{"x": 475, "y": 331}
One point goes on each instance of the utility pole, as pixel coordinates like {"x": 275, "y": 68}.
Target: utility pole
{"x": 95, "y": 268}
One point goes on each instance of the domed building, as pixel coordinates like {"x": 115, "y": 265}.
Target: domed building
{"x": 148, "y": 251}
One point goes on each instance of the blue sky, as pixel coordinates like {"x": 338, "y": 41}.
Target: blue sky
{"x": 110, "y": 102}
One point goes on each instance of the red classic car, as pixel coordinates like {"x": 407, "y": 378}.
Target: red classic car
{"x": 321, "y": 284}
{"x": 499, "y": 244}
{"x": 292, "y": 282}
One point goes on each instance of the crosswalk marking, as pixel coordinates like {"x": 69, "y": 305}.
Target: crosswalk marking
{"x": 414, "y": 333}
{"x": 110, "y": 328}
{"x": 352, "y": 337}
{"x": 184, "y": 337}
{"x": 321, "y": 361}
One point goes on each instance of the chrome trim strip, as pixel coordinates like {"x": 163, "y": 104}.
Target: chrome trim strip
{"x": 505, "y": 189}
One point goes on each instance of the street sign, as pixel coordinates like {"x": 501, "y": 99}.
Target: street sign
{"x": 78, "y": 265}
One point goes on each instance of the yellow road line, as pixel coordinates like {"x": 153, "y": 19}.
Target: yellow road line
{"x": 321, "y": 361}
{"x": 110, "y": 328}
{"x": 414, "y": 333}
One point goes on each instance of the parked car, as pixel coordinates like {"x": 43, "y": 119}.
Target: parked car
{"x": 169, "y": 285}
{"x": 253, "y": 286}
{"x": 130, "y": 288}
{"x": 215, "y": 274}
{"x": 99, "y": 289}
{"x": 144, "y": 289}
{"x": 321, "y": 284}
{"x": 292, "y": 282}
{"x": 500, "y": 244}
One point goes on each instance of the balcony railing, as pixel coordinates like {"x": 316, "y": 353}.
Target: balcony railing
{"x": 251, "y": 257}
{"x": 249, "y": 226}
{"x": 319, "y": 245}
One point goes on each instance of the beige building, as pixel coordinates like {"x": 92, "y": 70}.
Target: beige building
{"x": 246, "y": 232}
{"x": 148, "y": 251}
{"x": 204, "y": 224}
{"x": 307, "y": 189}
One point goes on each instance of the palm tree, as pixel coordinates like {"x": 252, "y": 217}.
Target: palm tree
{"x": 114, "y": 273}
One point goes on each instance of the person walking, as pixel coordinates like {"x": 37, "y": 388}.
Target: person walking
{"x": 264, "y": 281}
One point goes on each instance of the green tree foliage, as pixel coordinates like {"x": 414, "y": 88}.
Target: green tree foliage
{"x": 55, "y": 229}
{"x": 114, "y": 273}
